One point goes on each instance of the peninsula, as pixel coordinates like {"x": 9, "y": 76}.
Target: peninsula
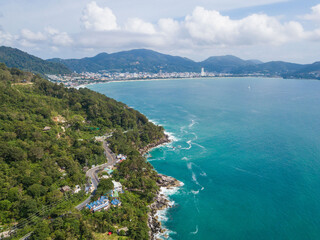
{"x": 51, "y": 137}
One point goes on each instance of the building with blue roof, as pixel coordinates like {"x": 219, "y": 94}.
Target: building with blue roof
{"x": 101, "y": 204}
{"x": 116, "y": 202}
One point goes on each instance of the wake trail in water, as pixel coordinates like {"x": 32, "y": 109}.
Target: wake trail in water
{"x": 248, "y": 172}
{"x": 195, "y": 232}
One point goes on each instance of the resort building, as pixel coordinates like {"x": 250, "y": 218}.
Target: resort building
{"x": 117, "y": 186}
{"x": 101, "y": 204}
{"x": 116, "y": 202}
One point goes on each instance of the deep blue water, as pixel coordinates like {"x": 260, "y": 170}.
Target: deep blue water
{"x": 249, "y": 157}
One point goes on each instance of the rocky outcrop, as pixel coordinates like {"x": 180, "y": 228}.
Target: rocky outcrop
{"x": 161, "y": 141}
{"x": 168, "y": 182}
{"x": 161, "y": 202}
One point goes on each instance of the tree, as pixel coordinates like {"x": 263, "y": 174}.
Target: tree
{"x": 42, "y": 231}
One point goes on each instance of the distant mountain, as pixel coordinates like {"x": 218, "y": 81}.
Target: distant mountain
{"x": 269, "y": 68}
{"x": 143, "y": 60}
{"x": 309, "y": 71}
{"x": 13, "y": 57}
{"x": 138, "y": 60}
{"x": 224, "y": 64}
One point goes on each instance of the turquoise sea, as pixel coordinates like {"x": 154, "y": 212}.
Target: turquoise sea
{"x": 247, "y": 150}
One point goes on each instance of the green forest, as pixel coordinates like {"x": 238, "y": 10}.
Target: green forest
{"x": 47, "y": 141}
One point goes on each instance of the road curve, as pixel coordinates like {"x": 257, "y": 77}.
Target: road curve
{"x": 92, "y": 173}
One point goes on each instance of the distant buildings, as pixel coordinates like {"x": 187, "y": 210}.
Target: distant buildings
{"x": 75, "y": 79}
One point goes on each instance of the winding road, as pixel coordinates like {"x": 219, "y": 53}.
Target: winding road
{"x": 92, "y": 173}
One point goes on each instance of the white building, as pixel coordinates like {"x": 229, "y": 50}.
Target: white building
{"x": 117, "y": 186}
{"x": 203, "y": 74}
{"x": 77, "y": 189}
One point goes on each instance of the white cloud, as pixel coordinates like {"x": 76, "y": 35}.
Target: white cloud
{"x": 314, "y": 15}
{"x": 139, "y": 26}
{"x": 169, "y": 26}
{"x": 210, "y": 27}
{"x": 49, "y": 37}
{"x": 26, "y": 34}
{"x": 98, "y": 19}
{"x": 59, "y": 38}
{"x": 6, "y": 38}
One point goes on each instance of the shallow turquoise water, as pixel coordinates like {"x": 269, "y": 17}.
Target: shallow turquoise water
{"x": 249, "y": 157}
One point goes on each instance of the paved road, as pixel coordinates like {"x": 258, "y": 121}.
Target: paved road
{"x": 93, "y": 172}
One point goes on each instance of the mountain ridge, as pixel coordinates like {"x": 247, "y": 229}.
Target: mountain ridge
{"x": 14, "y": 57}
{"x": 144, "y": 60}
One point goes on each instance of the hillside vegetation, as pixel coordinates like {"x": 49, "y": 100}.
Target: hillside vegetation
{"x": 47, "y": 138}
{"x": 13, "y": 57}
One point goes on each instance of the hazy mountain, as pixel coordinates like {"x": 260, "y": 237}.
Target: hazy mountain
{"x": 269, "y": 68}
{"x": 13, "y": 57}
{"x": 225, "y": 63}
{"x": 139, "y": 60}
{"x": 143, "y": 60}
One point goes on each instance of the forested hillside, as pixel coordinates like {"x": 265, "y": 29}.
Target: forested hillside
{"x": 13, "y": 57}
{"x": 47, "y": 138}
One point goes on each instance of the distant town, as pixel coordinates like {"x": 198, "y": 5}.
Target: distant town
{"x": 84, "y": 78}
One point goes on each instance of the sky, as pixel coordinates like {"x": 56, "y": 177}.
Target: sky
{"x": 286, "y": 30}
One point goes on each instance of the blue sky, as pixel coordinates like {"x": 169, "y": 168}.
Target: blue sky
{"x": 261, "y": 29}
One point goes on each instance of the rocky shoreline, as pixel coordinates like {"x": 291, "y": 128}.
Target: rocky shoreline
{"x": 161, "y": 202}
{"x": 161, "y": 141}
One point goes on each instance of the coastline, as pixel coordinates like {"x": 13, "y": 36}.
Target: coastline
{"x": 167, "y": 186}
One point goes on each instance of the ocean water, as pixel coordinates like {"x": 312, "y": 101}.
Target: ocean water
{"x": 247, "y": 150}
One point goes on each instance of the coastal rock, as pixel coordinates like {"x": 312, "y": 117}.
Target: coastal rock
{"x": 168, "y": 182}
{"x": 161, "y": 141}
{"x": 160, "y": 203}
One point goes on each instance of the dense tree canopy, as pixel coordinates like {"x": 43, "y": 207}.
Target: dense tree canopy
{"x": 47, "y": 136}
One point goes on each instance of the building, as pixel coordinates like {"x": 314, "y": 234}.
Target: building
{"x": 101, "y": 204}
{"x": 115, "y": 194}
{"x": 117, "y": 186}
{"x": 77, "y": 189}
{"x": 65, "y": 189}
{"x": 89, "y": 189}
{"x": 121, "y": 157}
{"x": 116, "y": 202}
{"x": 108, "y": 170}
{"x": 203, "y": 74}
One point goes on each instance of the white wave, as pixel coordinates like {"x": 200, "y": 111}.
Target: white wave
{"x": 190, "y": 145}
{"x": 193, "y": 122}
{"x": 195, "y": 192}
{"x": 195, "y": 136}
{"x": 189, "y": 165}
{"x": 169, "y": 191}
{"x": 185, "y": 158}
{"x": 162, "y": 215}
{"x": 153, "y": 121}
{"x": 199, "y": 145}
{"x": 182, "y": 129}
{"x": 196, "y": 231}
{"x": 171, "y": 136}
{"x": 203, "y": 174}
{"x": 194, "y": 178}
